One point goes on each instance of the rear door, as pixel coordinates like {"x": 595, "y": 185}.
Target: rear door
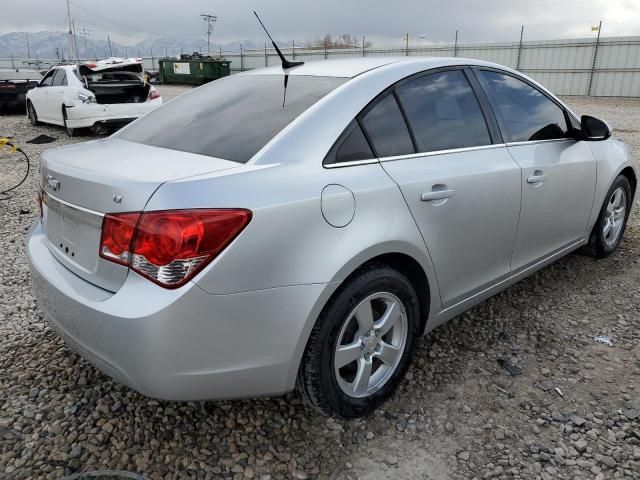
{"x": 558, "y": 172}
{"x": 55, "y": 97}
{"x": 459, "y": 181}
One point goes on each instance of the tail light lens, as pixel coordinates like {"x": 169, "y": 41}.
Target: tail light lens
{"x": 153, "y": 93}
{"x": 170, "y": 247}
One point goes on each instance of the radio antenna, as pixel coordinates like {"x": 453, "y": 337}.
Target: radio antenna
{"x": 286, "y": 64}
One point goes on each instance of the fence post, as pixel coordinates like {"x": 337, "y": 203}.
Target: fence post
{"x": 266, "y": 61}
{"x": 595, "y": 57}
{"x": 406, "y": 48}
{"x": 363, "y": 45}
{"x": 326, "y": 54}
{"x": 455, "y": 45}
{"x": 520, "y": 48}
{"x": 293, "y": 49}
{"x": 241, "y": 59}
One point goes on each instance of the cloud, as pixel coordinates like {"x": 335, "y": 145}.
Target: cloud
{"x": 384, "y": 22}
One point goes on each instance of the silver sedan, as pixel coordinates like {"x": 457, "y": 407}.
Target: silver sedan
{"x": 256, "y": 235}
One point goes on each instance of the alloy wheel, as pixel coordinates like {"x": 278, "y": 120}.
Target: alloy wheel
{"x": 370, "y": 344}
{"x": 614, "y": 216}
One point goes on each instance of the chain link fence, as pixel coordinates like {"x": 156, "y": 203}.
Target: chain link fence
{"x": 586, "y": 66}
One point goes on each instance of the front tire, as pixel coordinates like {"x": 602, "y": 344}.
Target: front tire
{"x": 31, "y": 113}
{"x": 361, "y": 345}
{"x": 609, "y": 228}
{"x": 70, "y": 131}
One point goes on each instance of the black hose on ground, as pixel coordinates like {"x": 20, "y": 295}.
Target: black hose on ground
{"x": 14, "y": 148}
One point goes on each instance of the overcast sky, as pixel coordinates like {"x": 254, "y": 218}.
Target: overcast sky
{"x": 383, "y": 22}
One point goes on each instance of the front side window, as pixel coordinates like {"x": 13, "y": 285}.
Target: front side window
{"x": 231, "y": 118}
{"x": 443, "y": 112}
{"x": 524, "y": 113}
{"x": 387, "y": 129}
{"x": 48, "y": 78}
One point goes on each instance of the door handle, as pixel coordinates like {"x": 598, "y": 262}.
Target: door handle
{"x": 437, "y": 195}
{"x": 537, "y": 177}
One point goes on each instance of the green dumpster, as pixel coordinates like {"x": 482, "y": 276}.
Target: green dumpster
{"x": 195, "y": 72}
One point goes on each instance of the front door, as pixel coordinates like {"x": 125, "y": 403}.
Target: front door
{"x": 558, "y": 172}
{"x": 462, "y": 189}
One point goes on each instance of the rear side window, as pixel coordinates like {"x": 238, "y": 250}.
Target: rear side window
{"x": 60, "y": 79}
{"x": 352, "y": 147}
{"x": 443, "y": 112}
{"x": 387, "y": 129}
{"x": 231, "y": 118}
{"x": 524, "y": 113}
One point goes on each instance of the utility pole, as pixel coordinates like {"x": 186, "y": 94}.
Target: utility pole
{"x": 520, "y": 48}
{"x": 71, "y": 43}
{"x": 85, "y": 33}
{"x": 26, "y": 34}
{"x": 595, "y": 58}
{"x": 75, "y": 40}
{"x": 209, "y": 20}
{"x": 110, "y": 51}
{"x": 455, "y": 45}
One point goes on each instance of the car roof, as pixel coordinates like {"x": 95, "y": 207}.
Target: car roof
{"x": 351, "y": 67}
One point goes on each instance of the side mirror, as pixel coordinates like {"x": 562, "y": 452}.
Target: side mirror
{"x": 593, "y": 129}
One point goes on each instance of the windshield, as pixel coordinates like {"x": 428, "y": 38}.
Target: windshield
{"x": 231, "y": 118}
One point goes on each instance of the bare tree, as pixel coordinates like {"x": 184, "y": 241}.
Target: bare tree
{"x": 343, "y": 41}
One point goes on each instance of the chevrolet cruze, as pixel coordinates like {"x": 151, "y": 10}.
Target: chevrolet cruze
{"x": 257, "y": 235}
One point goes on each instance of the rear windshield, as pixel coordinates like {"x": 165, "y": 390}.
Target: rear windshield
{"x": 231, "y": 118}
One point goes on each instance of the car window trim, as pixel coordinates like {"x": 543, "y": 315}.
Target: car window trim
{"x": 478, "y": 68}
{"x": 491, "y": 122}
{"x": 442, "y": 152}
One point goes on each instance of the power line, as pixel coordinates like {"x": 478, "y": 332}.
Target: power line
{"x": 129, "y": 27}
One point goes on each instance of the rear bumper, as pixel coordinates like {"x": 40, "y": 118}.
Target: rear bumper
{"x": 87, "y": 115}
{"x": 182, "y": 344}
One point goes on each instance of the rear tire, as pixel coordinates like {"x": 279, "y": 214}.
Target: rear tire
{"x": 612, "y": 220}
{"x": 369, "y": 327}
{"x": 31, "y": 113}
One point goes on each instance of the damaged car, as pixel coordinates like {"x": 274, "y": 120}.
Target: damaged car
{"x": 108, "y": 93}
{"x": 14, "y": 84}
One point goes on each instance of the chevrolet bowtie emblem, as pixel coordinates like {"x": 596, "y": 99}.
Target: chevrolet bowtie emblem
{"x": 53, "y": 183}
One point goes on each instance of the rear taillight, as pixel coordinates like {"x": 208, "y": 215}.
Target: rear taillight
{"x": 153, "y": 93}
{"x": 169, "y": 247}
{"x": 7, "y": 86}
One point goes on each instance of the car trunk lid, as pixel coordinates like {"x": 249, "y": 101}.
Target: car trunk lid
{"x": 116, "y": 81}
{"x": 81, "y": 183}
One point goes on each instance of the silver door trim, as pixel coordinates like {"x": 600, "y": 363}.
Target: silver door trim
{"x": 351, "y": 164}
{"x": 441, "y": 152}
{"x": 535, "y": 142}
{"x": 72, "y": 212}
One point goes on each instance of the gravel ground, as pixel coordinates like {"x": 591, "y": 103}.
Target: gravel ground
{"x": 573, "y": 413}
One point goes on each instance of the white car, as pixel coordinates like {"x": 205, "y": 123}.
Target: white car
{"x": 107, "y": 93}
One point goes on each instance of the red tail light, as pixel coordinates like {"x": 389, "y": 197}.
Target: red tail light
{"x": 169, "y": 247}
{"x": 154, "y": 94}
